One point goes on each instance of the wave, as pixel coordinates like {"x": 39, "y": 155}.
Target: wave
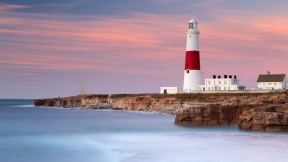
{"x": 24, "y": 106}
{"x": 62, "y": 108}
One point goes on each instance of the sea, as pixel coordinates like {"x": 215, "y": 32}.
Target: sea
{"x": 50, "y": 134}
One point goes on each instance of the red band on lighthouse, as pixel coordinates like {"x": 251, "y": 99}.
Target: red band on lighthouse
{"x": 192, "y": 61}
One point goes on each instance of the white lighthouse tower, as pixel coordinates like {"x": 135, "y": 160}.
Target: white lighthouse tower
{"x": 192, "y": 74}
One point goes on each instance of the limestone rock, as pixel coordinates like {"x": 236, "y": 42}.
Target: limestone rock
{"x": 265, "y": 119}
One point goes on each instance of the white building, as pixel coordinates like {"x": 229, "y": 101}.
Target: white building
{"x": 168, "y": 90}
{"x": 271, "y": 81}
{"x": 217, "y": 83}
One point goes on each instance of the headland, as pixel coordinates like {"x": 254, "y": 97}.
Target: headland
{"x": 251, "y": 111}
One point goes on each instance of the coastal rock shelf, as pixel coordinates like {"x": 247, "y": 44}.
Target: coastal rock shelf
{"x": 270, "y": 118}
{"x": 265, "y": 111}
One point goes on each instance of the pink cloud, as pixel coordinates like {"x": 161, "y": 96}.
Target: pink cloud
{"x": 9, "y": 7}
{"x": 142, "y": 44}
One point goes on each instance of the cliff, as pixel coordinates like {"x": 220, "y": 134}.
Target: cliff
{"x": 266, "y": 111}
{"x": 170, "y": 104}
{"x": 266, "y": 118}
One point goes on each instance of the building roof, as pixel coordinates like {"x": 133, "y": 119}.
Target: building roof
{"x": 271, "y": 78}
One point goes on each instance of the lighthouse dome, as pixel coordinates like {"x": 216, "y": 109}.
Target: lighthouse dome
{"x": 193, "y": 20}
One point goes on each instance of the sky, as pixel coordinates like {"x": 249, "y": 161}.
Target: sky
{"x": 48, "y": 47}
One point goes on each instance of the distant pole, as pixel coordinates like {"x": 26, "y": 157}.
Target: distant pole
{"x": 82, "y": 89}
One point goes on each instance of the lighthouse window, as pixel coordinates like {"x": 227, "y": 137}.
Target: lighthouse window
{"x": 191, "y": 26}
{"x": 187, "y": 71}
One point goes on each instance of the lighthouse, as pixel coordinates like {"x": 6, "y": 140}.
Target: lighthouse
{"x": 192, "y": 74}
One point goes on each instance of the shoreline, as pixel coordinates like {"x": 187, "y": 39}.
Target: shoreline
{"x": 251, "y": 111}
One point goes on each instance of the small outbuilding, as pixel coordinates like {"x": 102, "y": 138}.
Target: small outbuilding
{"x": 168, "y": 90}
{"x": 271, "y": 81}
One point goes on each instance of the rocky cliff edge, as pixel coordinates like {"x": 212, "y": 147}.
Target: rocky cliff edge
{"x": 268, "y": 111}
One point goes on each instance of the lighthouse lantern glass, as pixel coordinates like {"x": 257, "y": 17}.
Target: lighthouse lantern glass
{"x": 191, "y": 26}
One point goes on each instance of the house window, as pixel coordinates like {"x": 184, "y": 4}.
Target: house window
{"x": 275, "y": 83}
{"x": 269, "y": 83}
{"x": 209, "y": 82}
{"x": 225, "y": 82}
{"x": 219, "y": 82}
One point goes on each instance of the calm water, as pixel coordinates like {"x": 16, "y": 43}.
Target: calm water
{"x": 29, "y": 134}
